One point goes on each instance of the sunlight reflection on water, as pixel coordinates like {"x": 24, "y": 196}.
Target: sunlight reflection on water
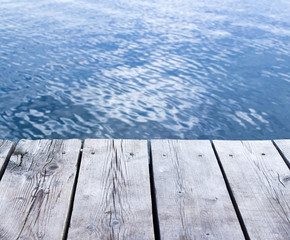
{"x": 136, "y": 69}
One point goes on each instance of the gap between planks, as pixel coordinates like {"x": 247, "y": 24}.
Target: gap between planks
{"x": 283, "y": 147}
{"x": 114, "y": 185}
{"x": 259, "y": 181}
{"x": 71, "y": 204}
{"x": 6, "y": 150}
{"x": 236, "y": 207}
{"x": 192, "y": 199}
{"x": 38, "y": 184}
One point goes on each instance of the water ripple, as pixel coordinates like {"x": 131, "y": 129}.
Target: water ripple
{"x": 144, "y": 69}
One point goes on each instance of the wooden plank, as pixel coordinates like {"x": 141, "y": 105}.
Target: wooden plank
{"x": 192, "y": 199}
{"x": 284, "y": 148}
{"x": 6, "y": 148}
{"x": 113, "y": 192}
{"x": 260, "y": 182}
{"x": 36, "y": 189}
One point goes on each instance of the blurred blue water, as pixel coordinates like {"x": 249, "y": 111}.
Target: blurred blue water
{"x": 145, "y": 69}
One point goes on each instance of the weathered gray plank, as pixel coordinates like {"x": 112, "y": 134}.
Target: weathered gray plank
{"x": 36, "y": 189}
{"x": 284, "y": 147}
{"x": 113, "y": 194}
{"x": 192, "y": 199}
{"x": 260, "y": 182}
{"x": 6, "y": 148}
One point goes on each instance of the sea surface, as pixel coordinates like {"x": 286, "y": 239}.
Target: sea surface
{"x": 187, "y": 69}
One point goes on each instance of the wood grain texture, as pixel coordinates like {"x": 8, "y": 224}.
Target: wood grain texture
{"x": 192, "y": 199}
{"x": 260, "y": 182}
{"x": 113, "y": 192}
{"x": 36, "y": 189}
{"x": 284, "y": 148}
{"x": 6, "y": 148}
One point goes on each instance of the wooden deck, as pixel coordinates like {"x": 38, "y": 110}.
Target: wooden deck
{"x": 134, "y": 189}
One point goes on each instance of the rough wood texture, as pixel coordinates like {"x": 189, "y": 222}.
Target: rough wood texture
{"x": 6, "y": 148}
{"x": 36, "y": 189}
{"x": 260, "y": 181}
{"x": 192, "y": 199}
{"x": 113, "y": 192}
{"x": 284, "y": 148}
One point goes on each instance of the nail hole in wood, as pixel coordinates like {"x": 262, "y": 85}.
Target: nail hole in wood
{"x": 115, "y": 222}
{"x": 286, "y": 179}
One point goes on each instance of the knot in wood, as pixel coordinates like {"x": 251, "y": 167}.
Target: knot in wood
{"x": 49, "y": 170}
{"x": 91, "y": 227}
{"x": 39, "y": 195}
{"x": 53, "y": 167}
